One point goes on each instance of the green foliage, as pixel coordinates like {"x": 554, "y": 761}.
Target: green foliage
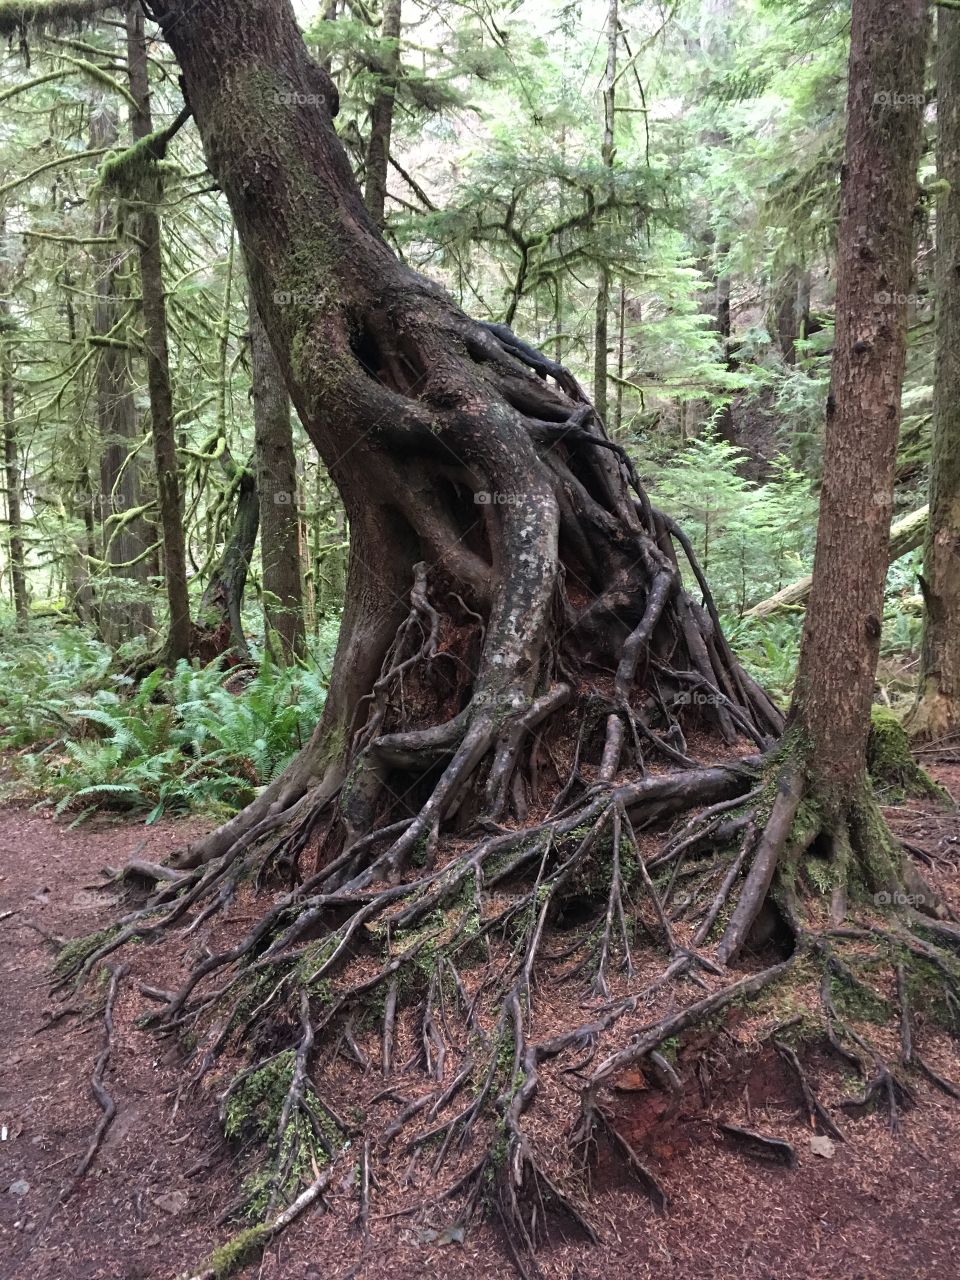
{"x": 751, "y": 539}
{"x": 169, "y": 744}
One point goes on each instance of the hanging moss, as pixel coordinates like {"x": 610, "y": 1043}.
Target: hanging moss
{"x": 123, "y": 172}
{"x": 895, "y": 773}
{"x": 46, "y": 14}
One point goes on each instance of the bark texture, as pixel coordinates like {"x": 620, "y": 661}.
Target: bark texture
{"x": 126, "y": 536}
{"x": 277, "y": 487}
{"x": 841, "y": 641}
{"x": 937, "y": 713}
{"x": 157, "y": 353}
{"x": 381, "y": 113}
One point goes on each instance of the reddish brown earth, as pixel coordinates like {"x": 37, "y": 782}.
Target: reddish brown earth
{"x": 883, "y": 1207}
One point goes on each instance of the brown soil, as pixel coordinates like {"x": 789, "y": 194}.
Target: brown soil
{"x": 882, "y": 1207}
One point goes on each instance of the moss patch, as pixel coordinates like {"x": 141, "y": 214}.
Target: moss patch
{"x": 894, "y": 772}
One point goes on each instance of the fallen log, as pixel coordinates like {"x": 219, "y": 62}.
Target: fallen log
{"x": 905, "y": 535}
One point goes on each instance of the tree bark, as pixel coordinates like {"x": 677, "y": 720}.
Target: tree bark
{"x": 381, "y": 113}
{"x": 607, "y": 151}
{"x": 841, "y": 640}
{"x": 11, "y": 459}
{"x": 126, "y": 540}
{"x": 937, "y": 713}
{"x": 219, "y": 626}
{"x": 158, "y": 357}
{"x": 277, "y": 486}
{"x": 16, "y": 554}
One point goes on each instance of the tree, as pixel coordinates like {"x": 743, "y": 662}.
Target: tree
{"x": 518, "y": 644}
{"x": 126, "y": 542}
{"x": 830, "y": 714}
{"x": 15, "y": 551}
{"x": 607, "y": 152}
{"x": 157, "y": 353}
{"x": 381, "y": 114}
{"x": 937, "y": 713}
{"x": 277, "y": 485}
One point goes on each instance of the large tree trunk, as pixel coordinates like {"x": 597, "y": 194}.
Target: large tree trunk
{"x": 937, "y": 713}
{"x": 483, "y": 498}
{"x": 126, "y": 535}
{"x": 158, "y": 358}
{"x": 277, "y": 485}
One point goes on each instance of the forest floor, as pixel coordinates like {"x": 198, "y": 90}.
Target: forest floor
{"x": 880, "y": 1206}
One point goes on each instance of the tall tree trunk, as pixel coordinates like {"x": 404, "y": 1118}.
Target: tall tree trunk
{"x": 15, "y": 553}
{"x": 841, "y": 640}
{"x": 381, "y": 113}
{"x": 277, "y": 484}
{"x": 937, "y": 712}
{"x": 158, "y": 358}
{"x": 126, "y": 536}
{"x": 11, "y": 460}
{"x": 607, "y": 151}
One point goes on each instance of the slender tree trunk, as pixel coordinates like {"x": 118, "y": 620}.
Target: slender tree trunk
{"x": 16, "y": 557}
{"x": 11, "y": 459}
{"x": 219, "y": 626}
{"x": 126, "y": 536}
{"x": 381, "y": 113}
{"x": 938, "y": 708}
{"x": 158, "y": 358}
{"x": 607, "y": 151}
{"x": 277, "y": 484}
{"x": 841, "y": 640}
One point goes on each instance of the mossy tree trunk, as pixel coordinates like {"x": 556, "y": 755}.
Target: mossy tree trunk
{"x": 841, "y": 640}
{"x": 218, "y": 628}
{"x": 937, "y": 713}
{"x": 157, "y": 353}
{"x": 277, "y": 486}
{"x": 481, "y": 492}
{"x": 126, "y": 535}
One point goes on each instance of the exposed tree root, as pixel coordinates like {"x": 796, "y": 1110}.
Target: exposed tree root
{"x": 102, "y": 1096}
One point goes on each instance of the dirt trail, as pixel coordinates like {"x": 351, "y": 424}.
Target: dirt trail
{"x": 882, "y": 1208}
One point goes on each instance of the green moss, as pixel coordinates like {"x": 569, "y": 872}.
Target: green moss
{"x": 858, "y": 1002}
{"x": 123, "y": 172}
{"x": 235, "y": 1253}
{"x": 894, "y": 772}
{"x": 74, "y": 954}
{"x": 42, "y": 14}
